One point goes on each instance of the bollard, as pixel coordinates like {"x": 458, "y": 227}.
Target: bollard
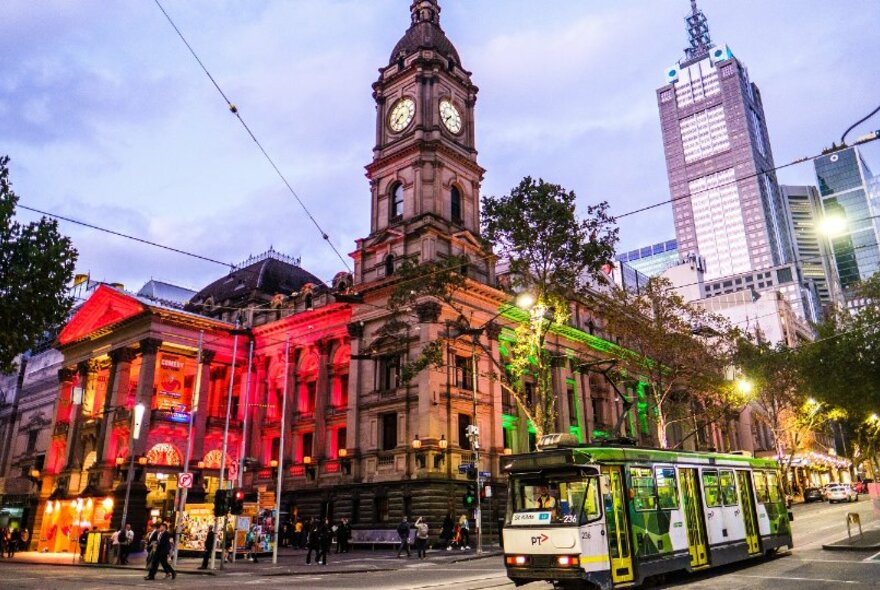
{"x": 851, "y": 519}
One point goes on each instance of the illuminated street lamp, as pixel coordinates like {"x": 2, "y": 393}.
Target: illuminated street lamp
{"x": 832, "y": 226}
{"x": 744, "y": 386}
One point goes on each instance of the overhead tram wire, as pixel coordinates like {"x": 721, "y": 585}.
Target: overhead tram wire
{"x": 234, "y": 110}
{"x": 856, "y": 124}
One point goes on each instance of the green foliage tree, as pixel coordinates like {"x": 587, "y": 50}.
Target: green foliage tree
{"x": 36, "y": 264}
{"x": 679, "y": 350}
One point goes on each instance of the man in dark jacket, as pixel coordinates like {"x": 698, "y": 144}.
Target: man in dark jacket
{"x": 209, "y": 547}
{"x": 163, "y": 548}
{"x": 325, "y": 539}
{"x": 343, "y": 534}
{"x": 152, "y": 538}
{"x": 403, "y": 534}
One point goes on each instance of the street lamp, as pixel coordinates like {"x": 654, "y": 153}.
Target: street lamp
{"x": 832, "y": 226}
{"x": 744, "y": 386}
{"x": 137, "y": 419}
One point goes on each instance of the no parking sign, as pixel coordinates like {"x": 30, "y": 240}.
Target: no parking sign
{"x": 185, "y": 480}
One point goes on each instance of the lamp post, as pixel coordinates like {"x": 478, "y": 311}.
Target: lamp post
{"x": 194, "y": 406}
{"x": 137, "y": 418}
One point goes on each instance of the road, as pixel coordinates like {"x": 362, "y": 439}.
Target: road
{"x": 806, "y": 567}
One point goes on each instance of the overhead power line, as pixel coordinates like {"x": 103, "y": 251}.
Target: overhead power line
{"x": 234, "y": 110}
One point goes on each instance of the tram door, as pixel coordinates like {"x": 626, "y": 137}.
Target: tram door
{"x": 619, "y": 543}
{"x": 747, "y": 500}
{"x": 693, "y": 515}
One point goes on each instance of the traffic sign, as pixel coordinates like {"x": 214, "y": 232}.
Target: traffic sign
{"x": 485, "y": 474}
{"x": 185, "y": 480}
{"x": 465, "y": 467}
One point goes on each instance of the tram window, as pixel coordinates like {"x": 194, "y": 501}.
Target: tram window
{"x": 711, "y": 490}
{"x": 773, "y": 487}
{"x": 761, "y": 491}
{"x": 667, "y": 492}
{"x": 570, "y": 499}
{"x": 643, "y": 494}
{"x": 728, "y": 487}
{"x": 593, "y": 501}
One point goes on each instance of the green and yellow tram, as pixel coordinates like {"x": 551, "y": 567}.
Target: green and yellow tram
{"x": 612, "y": 516}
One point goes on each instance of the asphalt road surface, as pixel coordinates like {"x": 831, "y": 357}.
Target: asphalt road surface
{"x": 806, "y": 567}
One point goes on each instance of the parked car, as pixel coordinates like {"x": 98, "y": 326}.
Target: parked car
{"x": 813, "y": 495}
{"x": 841, "y": 492}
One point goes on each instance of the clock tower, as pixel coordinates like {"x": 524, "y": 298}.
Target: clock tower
{"x": 424, "y": 177}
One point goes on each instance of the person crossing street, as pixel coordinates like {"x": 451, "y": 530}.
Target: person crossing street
{"x": 163, "y": 548}
{"x": 403, "y": 535}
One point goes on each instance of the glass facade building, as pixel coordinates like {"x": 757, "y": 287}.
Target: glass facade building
{"x": 849, "y": 189}
{"x": 652, "y": 260}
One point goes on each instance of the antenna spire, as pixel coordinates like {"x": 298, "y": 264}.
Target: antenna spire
{"x": 698, "y": 33}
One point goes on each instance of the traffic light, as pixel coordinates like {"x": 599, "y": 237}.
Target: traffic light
{"x": 472, "y": 473}
{"x": 236, "y": 504}
{"x": 220, "y": 505}
{"x": 470, "y": 496}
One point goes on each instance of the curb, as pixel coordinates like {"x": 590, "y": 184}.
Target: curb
{"x": 836, "y": 547}
{"x": 106, "y": 566}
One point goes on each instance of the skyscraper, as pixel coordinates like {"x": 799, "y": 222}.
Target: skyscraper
{"x": 849, "y": 190}
{"x": 726, "y": 200}
{"x": 811, "y": 251}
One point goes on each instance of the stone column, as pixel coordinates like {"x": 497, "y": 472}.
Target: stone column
{"x": 201, "y": 413}
{"x": 355, "y": 376}
{"x": 260, "y": 393}
{"x": 86, "y": 371}
{"x": 117, "y": 391}
{"x": 286, "y": 422}
{"x": 322, "y": 397}
{"x": 146, "y": 381}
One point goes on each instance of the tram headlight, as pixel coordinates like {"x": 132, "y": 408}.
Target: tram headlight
{"x": 568, "y": 560}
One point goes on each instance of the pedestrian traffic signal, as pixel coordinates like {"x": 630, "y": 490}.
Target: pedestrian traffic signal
{"x": 220, "y": 505}
{"x": 236, "y": 504}
{"x": 470, "y": 497}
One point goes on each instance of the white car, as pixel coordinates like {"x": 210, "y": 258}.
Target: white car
{"x": 841, "y": 493}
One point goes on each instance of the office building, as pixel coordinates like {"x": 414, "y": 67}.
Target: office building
{"x": 652, "y": 260}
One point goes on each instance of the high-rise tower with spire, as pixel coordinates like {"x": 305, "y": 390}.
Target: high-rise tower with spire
{"x": 726, "y": 200}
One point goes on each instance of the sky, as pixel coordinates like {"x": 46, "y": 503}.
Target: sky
{"x": 108, "y": 118}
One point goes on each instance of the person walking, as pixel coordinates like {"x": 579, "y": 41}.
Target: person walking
{"x": 253, "y": 543}
{"x": 447, "y": 531}
{"x": 152, "y": 538}
{"x": 325, "y": 539}
{"x": 313, "y": 540}
{"x": 228, "y": 540}
{"x": 421, "y": 538}
{"x": 4, "y": 538}
{"x": 25, "y": 539}
{"x": 12, "y": 544}
{"x": 126, "y": 540}
{"x": 83, "y": 542}
{"x": 163, "y": 548}
{"x": 403, "y": 535}
{"x": 298, "y": 538}
{"x": 210, "y": 540}
{"x": 343, "y": 534}
{"x": 465, "y": 533}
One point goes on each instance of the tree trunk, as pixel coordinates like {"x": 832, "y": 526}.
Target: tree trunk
{"x": 662, "y": 440}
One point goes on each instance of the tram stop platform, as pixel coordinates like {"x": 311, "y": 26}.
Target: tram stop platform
{"x": 867, "y": 541}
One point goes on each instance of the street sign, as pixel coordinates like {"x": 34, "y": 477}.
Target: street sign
{"x": 185, "y": 480}
{"x": 485, "y": 474}
{"x": 465, "y": 467}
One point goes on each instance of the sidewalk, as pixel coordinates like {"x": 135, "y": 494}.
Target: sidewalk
{"x": 291, "y": 562}
{"x": 868, "y": 541}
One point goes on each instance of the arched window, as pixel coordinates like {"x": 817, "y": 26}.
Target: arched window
{"x": 455, "y": 201}
{"x": 396, "y": 211}
{"x": 389, "y": 265}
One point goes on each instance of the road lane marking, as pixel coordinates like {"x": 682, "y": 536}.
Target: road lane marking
{"x": 797, "y": 579}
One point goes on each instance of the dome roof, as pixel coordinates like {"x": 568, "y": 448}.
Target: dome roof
{"x": 424, "y": 33}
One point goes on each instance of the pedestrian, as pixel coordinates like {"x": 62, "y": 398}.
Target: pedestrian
{"x": 25, "y": 539}
{"x": 152, "y": 538}
{"x": 254, "y": 543}
{"x": 343, "y": 534}
{"x": 83, "y": 542}
{"x": 12, "y": 544}
{"x": 403, "y": 535}
{"x": 421, "y": 538}
{"x": 126, "y": 539}
{"x": 163, "y": 548}
{"x": 4, "y": 538}
{"x": 114, "y": 546}
{"x": 283, "y": 534}
{"x": 313, "y": 541}
{"x": 446, "y": 531}
{"x": 464, "y": 533}
{"x": 325, "y": 539}
{"x": 228, "y": 540}
{"x": 210, "y": 539}
{"x": 298, "y": 540}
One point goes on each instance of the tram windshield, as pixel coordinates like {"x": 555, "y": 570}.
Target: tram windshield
{"x": 554, "y": 498}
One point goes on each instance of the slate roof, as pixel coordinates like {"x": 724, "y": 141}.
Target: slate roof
{"x": 165, "y": 292}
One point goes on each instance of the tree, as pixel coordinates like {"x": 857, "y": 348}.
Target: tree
{"x": 36, "y": 265}
{"x": 680, "y": 351}
{"x": 551, "y": 253}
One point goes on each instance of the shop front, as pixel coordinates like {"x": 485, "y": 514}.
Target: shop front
{"x": 64, "y": 521}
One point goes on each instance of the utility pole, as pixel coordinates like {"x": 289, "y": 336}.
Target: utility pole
{"x": 247, "y": 399}
{"x": 222, "y": 485}
{"x": 194, "y": 406}
{"x": 281, "y": 451}
{"x": 475, "y": 444}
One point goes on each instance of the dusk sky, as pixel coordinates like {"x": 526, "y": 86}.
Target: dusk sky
{"x": 109, "y": 119}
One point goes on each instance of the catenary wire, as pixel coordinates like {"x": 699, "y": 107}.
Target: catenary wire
{"x": 234, "y": 110}
{"x": 857, "y": 123}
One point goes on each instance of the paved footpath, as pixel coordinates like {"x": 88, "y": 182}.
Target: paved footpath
{"x": 291, "y": 562}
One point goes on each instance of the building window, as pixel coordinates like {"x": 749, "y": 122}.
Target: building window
{"x": 464, "y": 420}
{"x": 275, "y": 448}
{"x": 572, "y": 407}
{"x": 596, "y": 404}
{"x": 388, "y": 424}
{"x": 407, "y": 506}
{"x": 455, "y": 201}
{"x": 464, "y": 376}
{"x": 389, "y": 265}
{"x": 397, "y": 202}
{"x": 380, "y": 506}
{"x": 389, "y": 373}
{"x": 305, "y": 448}
{"x": 341, "y": 438}
{"x": 307, "y": 397}
{"x": 32, "y": 441}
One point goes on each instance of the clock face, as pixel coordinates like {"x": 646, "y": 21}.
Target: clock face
{"x": 402, "y": 114}
{"x": 450, "y": 116}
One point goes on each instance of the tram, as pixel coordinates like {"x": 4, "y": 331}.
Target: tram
{"x": 612, "y": 516}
